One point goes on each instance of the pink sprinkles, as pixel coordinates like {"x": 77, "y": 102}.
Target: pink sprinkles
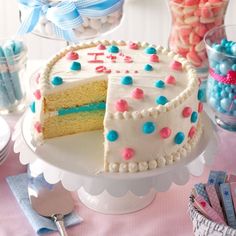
{"x": 37, "y": 94}
{"x": 128, "y": 153}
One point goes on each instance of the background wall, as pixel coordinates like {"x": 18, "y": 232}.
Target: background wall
{"x": 144, "y": 20}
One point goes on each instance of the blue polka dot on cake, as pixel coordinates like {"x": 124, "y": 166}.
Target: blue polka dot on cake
{"x": 75, "y": 65}
{"x": 148, "y": 127}
{"x": 127, "y": 80}
{"x": 161, "y": 100}
{"x": 112, "y": 136}
{"x": 113, "y": 49}
{"x": 57, "y": 80}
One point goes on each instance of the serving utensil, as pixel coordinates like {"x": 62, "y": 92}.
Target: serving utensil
{"x": 54, "y": 202}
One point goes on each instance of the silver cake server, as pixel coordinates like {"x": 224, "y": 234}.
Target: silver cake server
{"x": 54, "y": 202}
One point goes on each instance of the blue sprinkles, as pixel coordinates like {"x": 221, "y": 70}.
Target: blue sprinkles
{"x": 127, "y": 80}
{"x": 112, "y": 136}
{"x": 57, "y": 80}
{"x": 75, "y": 65}
{"x": 179, "y": 137}
{"x": 150, "y": 50}
{"x": 160, "y": 84}
{"x": 32, "y": 107}
{"x": 148, "y": 67}
{"x": 113, "y": 49}
{"x": 161, "y": 100}
{"x": 149, "y": 127}
{"x": 194, "y": 117}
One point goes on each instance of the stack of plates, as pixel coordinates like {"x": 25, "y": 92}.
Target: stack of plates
{"x": 5, "y": 136}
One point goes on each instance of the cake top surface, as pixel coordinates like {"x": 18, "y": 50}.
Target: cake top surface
{"x": 141, "y": 75}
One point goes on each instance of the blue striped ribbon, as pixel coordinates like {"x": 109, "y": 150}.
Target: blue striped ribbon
{"x": 65, "y": 15}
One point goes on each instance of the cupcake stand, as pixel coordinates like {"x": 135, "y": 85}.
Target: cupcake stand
{"x": 77, "y": 161}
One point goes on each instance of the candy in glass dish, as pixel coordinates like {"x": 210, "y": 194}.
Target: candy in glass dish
{"x": 70, "y": 20}
{"x": 221, "y": 88}
{"x": 13, "y": 57}
{"x": 191, "y": 20}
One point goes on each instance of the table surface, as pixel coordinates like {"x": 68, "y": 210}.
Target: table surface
{"x": 166, "y": 215}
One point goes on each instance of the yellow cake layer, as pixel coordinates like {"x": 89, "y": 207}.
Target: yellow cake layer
{"x": 79, "y": 95}
{"x": 73, "y": 123}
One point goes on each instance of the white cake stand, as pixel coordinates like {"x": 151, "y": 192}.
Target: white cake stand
{"x": 77, "y": 161}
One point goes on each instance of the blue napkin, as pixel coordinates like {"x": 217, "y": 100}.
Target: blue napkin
{"x": 40, "y": 224}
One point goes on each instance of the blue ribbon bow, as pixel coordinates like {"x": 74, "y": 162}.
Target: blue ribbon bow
{"x": 65, "y": 15}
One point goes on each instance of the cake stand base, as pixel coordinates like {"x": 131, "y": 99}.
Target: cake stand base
{"x": 108, "y": 204}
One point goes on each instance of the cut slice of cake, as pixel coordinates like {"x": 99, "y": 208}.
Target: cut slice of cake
{"x": 145, "y": 98}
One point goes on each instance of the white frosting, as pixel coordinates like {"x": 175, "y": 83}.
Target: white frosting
{"x": 150, "y": 150}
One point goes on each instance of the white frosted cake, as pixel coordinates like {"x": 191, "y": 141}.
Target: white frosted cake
{"x": 145, "y": 98}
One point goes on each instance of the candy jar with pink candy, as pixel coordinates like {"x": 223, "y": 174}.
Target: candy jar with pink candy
{"x": 221, "y": 87}
{"x": 191, "y": 20}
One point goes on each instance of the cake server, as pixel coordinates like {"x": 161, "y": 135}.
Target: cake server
{"x": 54, "y": 202}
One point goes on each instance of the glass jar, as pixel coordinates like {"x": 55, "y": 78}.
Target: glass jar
{"x": 190, "y": 22}
{"x": 97, "y": 19}
{"x": 13, "y": 58}
{"x": 221, "y": 87}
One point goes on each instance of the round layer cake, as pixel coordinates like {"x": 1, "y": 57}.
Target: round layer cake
{"x": 144, "y": 97}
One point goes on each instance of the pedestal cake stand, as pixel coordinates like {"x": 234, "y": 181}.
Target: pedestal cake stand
{"x": 77, "y": 161}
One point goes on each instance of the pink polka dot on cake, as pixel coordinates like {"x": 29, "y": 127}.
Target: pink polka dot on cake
{"x": 38, "y": 127}
{"x": 165, "y": 132}
{"x": 37, "y": 94}
{"x": 154, "y": 58}
{"x": 133, "y": 46}
{"x": 137, "y": 93}
{"x": 200, "y": 107}
{"x": 72, "y": 56}
{"x": 175, "y": 65}
{"x": 128, "y": 153}
{"x": 121, "y": 105}
{"x": 187, "y": 111}
{"x": 101, "y": 47}
{"x": 170, "y": 80}
{"x": 192, "y": 132}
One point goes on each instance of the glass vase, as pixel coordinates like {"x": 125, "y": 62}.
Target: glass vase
{"x": 191, "y": 20}
{"x": 221, "y": 87}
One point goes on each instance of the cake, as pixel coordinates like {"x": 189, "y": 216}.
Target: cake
{"x": 144, "y": 97}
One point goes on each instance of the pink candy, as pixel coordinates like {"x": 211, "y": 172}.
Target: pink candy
{"x": 137, "y": 93}
{"x": 175, "y": 65}
{"x": 192, "y": 132}
{"x": 170, "y": 80}
{"x": 154, "y": 58}
{"x": 200, "y": 107}
{"x": 165, "y": 132}
{"x": 192, "y": 19}
{"x": 37, "y": 94}
{"x": 187, "y": 111}
{"x": 38, "y": 127}
{"x": 128, "y": 153}
{"x": 101, "y": 47}
{"x": 121, "y": 105}
{"x": 72, "y": 55}
{"x": 133, "y": 46}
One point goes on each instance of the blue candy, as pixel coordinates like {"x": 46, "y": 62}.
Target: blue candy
{"x": 160, "y": 84}
{"x": 151, "y": 50}
{"x": 225, "y": 66}
{"x": 161, "y": 100}
{"x": 148, "y": 67}
{"x": 112, "y": 136}
{"x": 127, "y": 80}
{"x": 57, "y": 80}
{"x": 148, "y": 127}
{"x": 179, "y": 137}
{"x": 233, "y": 49}
{"x": 113, "y": 49}
{"x": 194, "y": 117}
{"x": 225, "y": 104}
{"x": 75, "y": 66}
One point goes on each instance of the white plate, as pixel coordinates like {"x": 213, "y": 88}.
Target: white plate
{"x": 82, "y": 154}
{"x": 5, "y": 134}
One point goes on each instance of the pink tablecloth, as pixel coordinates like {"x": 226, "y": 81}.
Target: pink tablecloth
{"x": 167, "y": 215}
